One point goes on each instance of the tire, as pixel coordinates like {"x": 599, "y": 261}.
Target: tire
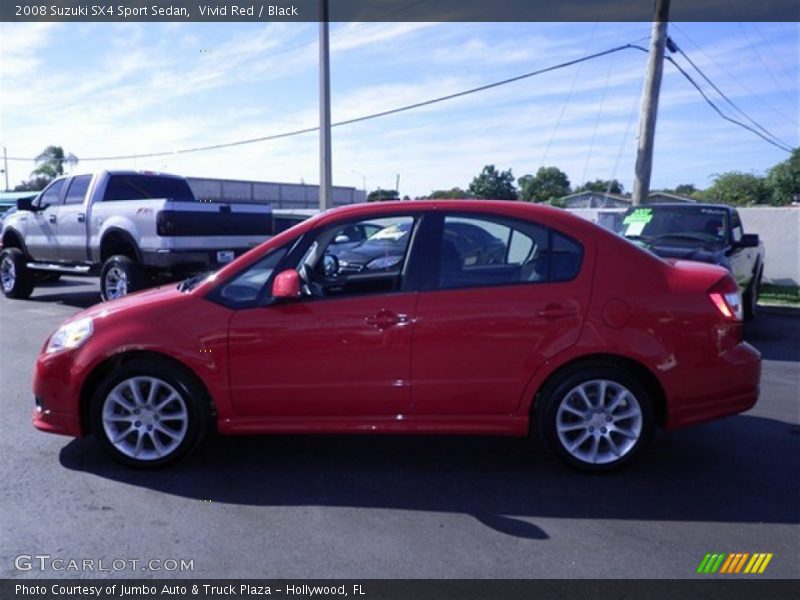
{"x": 750, "y": 297}
{"x": 163, "y": 410}
{"x": 119, "y": 277}
{"x": 569, "y": 425}
{"x": 16, "y": 280}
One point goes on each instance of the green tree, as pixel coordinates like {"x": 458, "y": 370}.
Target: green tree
{"x": 50, "y": 163}
{"x": 380, "y": 195}
{"x": 686, "y": 189}
{"x": 455, "y": 192}
{"x": 34, "y": 184}
{"x": 493, "y": 184}
{"x": 737, "y": 188}
{"x": 547, "y": 184}
{"x": 610, "y": 186}
{"x": 783, "y": 181}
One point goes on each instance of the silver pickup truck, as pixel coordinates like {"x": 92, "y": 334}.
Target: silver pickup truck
{"x": 130, "y": 228}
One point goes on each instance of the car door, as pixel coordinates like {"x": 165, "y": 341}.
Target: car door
{"x": 41, "y": 236}
{"x": 342, "y": 350}
{"x": 742, "y": 259}
{"x": 491, "y": 317}
{"x": 71, "y": 217}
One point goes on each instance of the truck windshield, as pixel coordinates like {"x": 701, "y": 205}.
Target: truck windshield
{"x": 676, "y": 224}
{"x": 142, "y": 187}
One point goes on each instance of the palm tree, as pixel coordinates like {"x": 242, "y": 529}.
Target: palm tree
{"x": 50, "y": 163}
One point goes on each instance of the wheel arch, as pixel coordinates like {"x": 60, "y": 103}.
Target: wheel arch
{"x": 109, "y": 364}
{"x": 118, "y": 241}
{"x": 642, "y": 374}
{"x": 14, "y": 239}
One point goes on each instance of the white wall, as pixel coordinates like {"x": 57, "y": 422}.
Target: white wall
{"x": 778, "y": 228}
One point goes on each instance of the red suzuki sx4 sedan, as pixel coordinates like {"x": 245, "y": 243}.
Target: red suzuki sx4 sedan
{"x": 454, "y": 317}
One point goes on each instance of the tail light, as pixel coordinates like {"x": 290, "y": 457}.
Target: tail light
{"x": 165, "y": 225}
{"x": 726, "y": 298}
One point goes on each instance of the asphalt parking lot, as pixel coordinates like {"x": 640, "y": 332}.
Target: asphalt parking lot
{"x": 381, "y": 507}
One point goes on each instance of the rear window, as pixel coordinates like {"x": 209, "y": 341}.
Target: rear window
{"x": 143, "y": 187}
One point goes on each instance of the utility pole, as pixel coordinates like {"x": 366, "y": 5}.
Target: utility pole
{"x": 325, "y": 186}
{"x": 397, "y": 185}
{"x": 5, "y": 165}
{"x": 652, "y": 88}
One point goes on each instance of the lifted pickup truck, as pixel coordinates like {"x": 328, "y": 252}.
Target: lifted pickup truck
{"x": 128, "y": 227}
{"x": 709, "y": 233}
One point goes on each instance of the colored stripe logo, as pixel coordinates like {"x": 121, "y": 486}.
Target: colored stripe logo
{"x": 741, "y": 562}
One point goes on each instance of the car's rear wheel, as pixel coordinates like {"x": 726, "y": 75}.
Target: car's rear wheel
{"x": 148, "y": 414}
{"x": 595, "y": 418}
{"x": 119, "y": 277}
{"x": 16, "y": 280}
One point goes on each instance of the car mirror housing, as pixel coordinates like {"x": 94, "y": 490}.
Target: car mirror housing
{"x": 25, "y": 203}
{"x": 749, "y": 240}
{"x": 286, "y": 285}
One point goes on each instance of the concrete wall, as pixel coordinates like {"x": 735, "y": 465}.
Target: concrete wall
{"x": 278, "y": 195}
{"x": 778, "y": 228}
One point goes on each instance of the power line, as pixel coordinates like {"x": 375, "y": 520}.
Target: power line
{"x": 735, "y": 79}
{"x": 720, "y": 113}
{"x": 366, "y": 117}
{"x": 721, "y": 93}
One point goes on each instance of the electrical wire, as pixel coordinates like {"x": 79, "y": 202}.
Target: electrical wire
{"x": 365, "y": 117}
{"x": 725, "y": 97}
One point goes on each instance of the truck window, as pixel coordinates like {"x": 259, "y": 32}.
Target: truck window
{"x": 51, "y": 194}
{"x": 143, "y": 187}
{"x": 77, "y": 189}
{"x": 736, "y": 227}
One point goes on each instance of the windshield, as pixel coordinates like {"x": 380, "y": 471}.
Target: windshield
{"x": 188, "y": 284}
{"x": 676, "y": 224}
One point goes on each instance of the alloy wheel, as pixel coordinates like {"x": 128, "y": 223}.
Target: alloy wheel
{"x": 145, "y": 418}
{"x": 599, "y": 421}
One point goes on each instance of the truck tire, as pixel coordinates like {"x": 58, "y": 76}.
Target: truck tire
{"x": 119, "y": 277}
{"x": 16, "y": 280}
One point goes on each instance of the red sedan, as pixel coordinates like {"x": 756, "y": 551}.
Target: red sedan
{"x": 463, "y": 317}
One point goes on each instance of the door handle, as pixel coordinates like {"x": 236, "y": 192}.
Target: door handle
{"x": 51, "y": 218}
{"x": 556, "y": 311}
{"x": 81, "y": 217}
{"x": 384, "y": 319}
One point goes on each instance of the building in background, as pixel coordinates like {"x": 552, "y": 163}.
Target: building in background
{"x": 277, "y": 195}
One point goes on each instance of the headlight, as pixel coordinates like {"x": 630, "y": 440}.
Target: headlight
{"x": 70, "y": 336}
{"x": 386, "y": 262}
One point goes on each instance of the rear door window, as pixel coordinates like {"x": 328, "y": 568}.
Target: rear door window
{"x": 144, "y": 187}
{"x": 77, "y": 189}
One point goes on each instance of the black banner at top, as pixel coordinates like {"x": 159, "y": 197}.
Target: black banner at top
{"x": 394, "y": 10}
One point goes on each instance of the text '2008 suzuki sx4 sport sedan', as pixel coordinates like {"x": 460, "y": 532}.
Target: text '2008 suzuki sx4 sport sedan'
{"x": 456, "y": 317}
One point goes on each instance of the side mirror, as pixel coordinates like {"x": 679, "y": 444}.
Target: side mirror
{"x": 25, "y": 203}
{"x": 749, "y": 240}
{"x": 341, "y": 239}
{"x": 286, "y": 285}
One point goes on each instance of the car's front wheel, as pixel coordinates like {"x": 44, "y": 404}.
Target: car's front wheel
{"x": 595, "y": 418}
{"x": 147, "y": 414}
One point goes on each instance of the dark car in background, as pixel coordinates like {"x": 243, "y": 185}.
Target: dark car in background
{"x": 384, "y": 248}
{"x": 710, "y": 233}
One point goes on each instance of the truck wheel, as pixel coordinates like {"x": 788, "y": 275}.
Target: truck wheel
{"x": 750, "y": 297}
{"x": 119, "y": 277}
{"x": 16, "y": 279}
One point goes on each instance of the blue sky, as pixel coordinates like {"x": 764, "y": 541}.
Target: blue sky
{"x": 111, "y": 88}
